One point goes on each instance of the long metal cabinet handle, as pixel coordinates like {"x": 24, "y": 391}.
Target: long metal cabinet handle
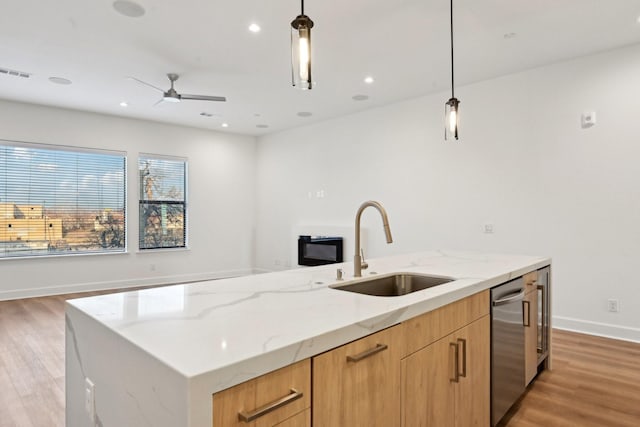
{"x": 462, "y": 341}
{"x": 526, "y": 320}
{"x": 544, "y": 344}
{"x": 546, "y": 308}
{"x": 247, "y": 417}
{"x": 509, "y": 299}
{"x": 358, "y": 357}
{"x": 456, "y": 373}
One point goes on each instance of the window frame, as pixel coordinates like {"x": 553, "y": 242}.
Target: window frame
{"x": 185, "y": 202}
{"x": 77, "y": 150}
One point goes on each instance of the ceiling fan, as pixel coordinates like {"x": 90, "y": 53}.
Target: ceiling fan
{"x": 171, "y": 95}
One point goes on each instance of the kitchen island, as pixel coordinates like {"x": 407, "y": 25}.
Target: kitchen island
{"x": 157, "y": 356}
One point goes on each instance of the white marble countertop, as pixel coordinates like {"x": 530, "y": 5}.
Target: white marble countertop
{"x": 203, "y": 327}
{"x": 216, "y": 334}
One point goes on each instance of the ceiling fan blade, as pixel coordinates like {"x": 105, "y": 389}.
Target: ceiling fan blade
{"x": 160, "y": 101}
{"x": 204, "y": 98}
{"x": 147, "y": 84}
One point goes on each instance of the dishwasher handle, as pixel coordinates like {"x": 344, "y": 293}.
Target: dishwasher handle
{"x": 515, "y": 296}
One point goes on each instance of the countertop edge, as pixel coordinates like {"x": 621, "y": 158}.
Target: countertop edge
{"x": 258, "y": 365}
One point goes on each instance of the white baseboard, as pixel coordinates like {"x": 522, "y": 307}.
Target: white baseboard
{"x": 606, "y": 330}
{"x": 120, "y": 284}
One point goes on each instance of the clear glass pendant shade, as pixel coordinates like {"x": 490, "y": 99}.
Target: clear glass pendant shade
{"x": 452, "y": 119}
{"x": 301, "y": 52}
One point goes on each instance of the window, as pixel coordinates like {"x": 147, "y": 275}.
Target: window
{"x": 163, "y": 208}
{"x": 61, "y": 200}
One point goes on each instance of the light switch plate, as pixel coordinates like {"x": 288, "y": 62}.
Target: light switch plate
{"x": 588, "y": 119}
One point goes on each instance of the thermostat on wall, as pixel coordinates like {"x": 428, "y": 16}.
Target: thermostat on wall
{"x": 588, "y": 119}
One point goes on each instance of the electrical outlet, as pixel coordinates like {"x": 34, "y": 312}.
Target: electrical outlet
{"x": 613, "y": 305}
{"x": 90, "y": 398}
{"x": 488, "y": 228}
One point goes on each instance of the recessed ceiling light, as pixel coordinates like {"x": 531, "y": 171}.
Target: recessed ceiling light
{"x": 305, "y": 114}
{"x": 128, "y": 8}
{"x": 262, "y": 126}
{"x": 124, "y": 104}
{"x": 368, "y": 80}
{"x": 254, "y": 28}
{"x": 360, "y": 97}
{"x": 60, "y": 80}
{"x": 225, "y": 125}
{"x": 510, "y": 36}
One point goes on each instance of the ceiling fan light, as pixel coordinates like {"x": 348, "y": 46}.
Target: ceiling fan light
{"x": 170, "y": 98}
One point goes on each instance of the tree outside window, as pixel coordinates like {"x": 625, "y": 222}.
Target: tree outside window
{"x": 163, "y": 210}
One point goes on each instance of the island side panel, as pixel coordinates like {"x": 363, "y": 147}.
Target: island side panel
{"x": 131, "y": 387}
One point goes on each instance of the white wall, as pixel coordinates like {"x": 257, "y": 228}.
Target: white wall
{"x": 524, "y": 164}
{"x": 221, "y": 202}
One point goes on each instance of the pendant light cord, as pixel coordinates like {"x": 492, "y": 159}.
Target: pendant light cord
{"x": 451, "y": 49}
{"x": 302, "y": 2}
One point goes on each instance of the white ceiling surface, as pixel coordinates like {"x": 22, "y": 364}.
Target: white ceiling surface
{"x": 403, "y": 44}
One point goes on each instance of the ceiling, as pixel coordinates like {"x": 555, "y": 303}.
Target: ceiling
{"x": 403, "y": 44}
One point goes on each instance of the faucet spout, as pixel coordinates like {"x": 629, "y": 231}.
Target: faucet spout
{"x": 357, "y": 259}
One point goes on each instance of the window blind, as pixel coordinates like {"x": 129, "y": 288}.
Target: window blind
{"x": 163, "y": 207}
{"x": 61, "y": 200}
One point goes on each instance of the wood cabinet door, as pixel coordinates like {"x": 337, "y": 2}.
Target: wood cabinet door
{"x": 358, "y": 384}
{"x": 427, "y": 388}
{"x": 530, "y": 335}
{"x": 472, "y": 391}
{"x": 448, "y": 382}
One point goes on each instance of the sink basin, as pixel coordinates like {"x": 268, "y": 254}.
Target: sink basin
{"x": 394, "y": 286}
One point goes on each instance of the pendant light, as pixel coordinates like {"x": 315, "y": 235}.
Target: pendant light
{"x": 301, "y": 50}
{"x": 452, "y": 106}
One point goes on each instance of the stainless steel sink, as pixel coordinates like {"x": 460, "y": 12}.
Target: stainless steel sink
{"x": 393, "y": 286}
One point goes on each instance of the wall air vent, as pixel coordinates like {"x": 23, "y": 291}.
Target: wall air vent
{"x": 15, "y": 73}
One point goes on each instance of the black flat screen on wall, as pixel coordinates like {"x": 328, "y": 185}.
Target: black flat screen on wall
{"x": 319, "y": 250}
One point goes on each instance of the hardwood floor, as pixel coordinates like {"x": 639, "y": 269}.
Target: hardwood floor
{"x": 595, "y": 381}
{"x": 32, "y": 361}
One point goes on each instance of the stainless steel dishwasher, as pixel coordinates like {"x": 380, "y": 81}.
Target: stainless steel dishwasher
{"x": 507, "y": 347}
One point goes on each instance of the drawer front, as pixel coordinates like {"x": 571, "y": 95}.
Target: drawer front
{"x": 265, "y": 401}
{"x": 430, "y": 327}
